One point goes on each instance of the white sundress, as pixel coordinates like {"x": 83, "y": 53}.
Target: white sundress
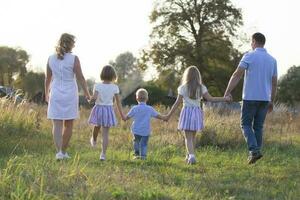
{"x": 63, "y": 98}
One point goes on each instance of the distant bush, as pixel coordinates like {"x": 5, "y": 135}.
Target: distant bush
{"x": 157, "y": 95}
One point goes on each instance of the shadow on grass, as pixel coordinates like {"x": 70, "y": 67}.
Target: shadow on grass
{"x": 23, "y": 143}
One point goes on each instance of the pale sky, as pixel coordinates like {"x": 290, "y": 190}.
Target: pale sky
{"x": 104, "y": 29}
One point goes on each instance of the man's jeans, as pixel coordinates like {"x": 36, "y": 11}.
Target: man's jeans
{"x": 252, "y": 121}
{"x": 140, "y": 145}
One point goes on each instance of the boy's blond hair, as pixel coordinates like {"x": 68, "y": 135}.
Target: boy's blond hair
{"x": 141, "y": 95}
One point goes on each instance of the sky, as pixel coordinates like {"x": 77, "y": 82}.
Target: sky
{"x": 104, "y": 29}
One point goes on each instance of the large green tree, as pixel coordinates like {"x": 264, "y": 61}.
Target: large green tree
{"x": 288, "y": 87}
{"x": 194, "y": 32}
{"x": 12, "y": 62}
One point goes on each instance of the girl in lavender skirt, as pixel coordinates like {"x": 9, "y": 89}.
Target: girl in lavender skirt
{"x": 102, "y": 114}
{"x": 190, "y": 93}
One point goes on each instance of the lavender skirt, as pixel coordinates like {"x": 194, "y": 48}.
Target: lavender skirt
{"x": 191, "y": 119}
{"x": 103, "y": 116}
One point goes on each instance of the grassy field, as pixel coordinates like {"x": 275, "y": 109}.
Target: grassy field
{"x": 28, "y": 169}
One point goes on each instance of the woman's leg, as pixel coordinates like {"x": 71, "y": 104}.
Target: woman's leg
{"x": 57, "y": 134}
{"x": 68, "y": 127}
{"x": 105, "y": 131}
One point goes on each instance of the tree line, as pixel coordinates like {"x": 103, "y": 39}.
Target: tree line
{"x": 185, "y": 32}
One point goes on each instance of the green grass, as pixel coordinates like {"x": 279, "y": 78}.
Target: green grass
{"x": 28, "y": 169}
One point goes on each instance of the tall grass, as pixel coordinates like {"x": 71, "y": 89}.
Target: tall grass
{"x": 28, "y": 169}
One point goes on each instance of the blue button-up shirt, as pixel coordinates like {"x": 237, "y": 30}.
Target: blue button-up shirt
{"x": 141, "y": 115}
{"x": 260, "y": 68}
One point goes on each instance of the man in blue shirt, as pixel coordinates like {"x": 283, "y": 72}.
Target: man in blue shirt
{"x": 260, "y": 82}
{"x": 140, "y": 128}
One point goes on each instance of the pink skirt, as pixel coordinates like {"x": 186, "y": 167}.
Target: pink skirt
{"x": 103, "y": 116}
{"x": 191, "y": 119}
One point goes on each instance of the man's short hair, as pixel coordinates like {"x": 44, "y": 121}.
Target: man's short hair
{"x": 259, "y": 38}
{"x": 141, "y": 94}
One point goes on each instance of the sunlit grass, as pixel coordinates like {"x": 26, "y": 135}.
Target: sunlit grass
{"x": 28, "y": 169}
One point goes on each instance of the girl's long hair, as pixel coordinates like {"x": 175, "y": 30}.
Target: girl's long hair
{"x": 65, "y": 45}
{"x": 192, "y": 78}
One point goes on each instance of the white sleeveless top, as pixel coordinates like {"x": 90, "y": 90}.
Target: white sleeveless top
{"x": 63, "y": 99}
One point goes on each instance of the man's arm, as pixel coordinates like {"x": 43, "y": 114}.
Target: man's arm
{"x": 234, "y": 80}
{"x": 273, "y": 94}
{"x": 274, "y": 88}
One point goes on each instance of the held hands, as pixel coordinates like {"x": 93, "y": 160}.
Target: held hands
{"x": 124, "y": 118}
{"x": 270, "y": 107}
{"x": 165, "y": 118}
{"x": 47, "y": 98}
{"x": 89, "y": 99}
{"x": 228, "y": 98}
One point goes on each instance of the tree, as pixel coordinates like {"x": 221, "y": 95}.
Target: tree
{"x": 288, "y": 87}
{"x": 125, "y": 65}
{"x": 168, "y": 80}
{"x": 90, "y": 84}
{"x": 31, "y": 83}
{"x": 194, "y": 32}
{"x": 12, "y": 62}
{"x": 129, "y": 75}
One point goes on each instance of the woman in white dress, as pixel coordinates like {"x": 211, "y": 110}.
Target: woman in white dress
{"x": 61, "y": 92}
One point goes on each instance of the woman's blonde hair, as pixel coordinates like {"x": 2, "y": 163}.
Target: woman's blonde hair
{"x": 192, "y": 78}
{"x": 108, "y": 73}
{"x": 65, "y": 45}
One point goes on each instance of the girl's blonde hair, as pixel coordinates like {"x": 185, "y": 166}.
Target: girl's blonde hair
{"x": 65, "y": 45}
{"x": 192, "y": 78}
{"x": 108, "y": 73}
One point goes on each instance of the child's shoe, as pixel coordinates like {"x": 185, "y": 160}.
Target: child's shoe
{"x": 143, "y": 157}
{"x": 191, "y": 160}
{"x": 93, "y": 142}
{"x": 59, "y": 156}
{"x": 102, "y": 157}
{"x": 136, "y": 157}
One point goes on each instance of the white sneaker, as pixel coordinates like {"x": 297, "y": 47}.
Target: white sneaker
{"x": 59, "y": 156}
{"x": 102, "y": 157}
{"x": 93, "y": 142}
{"x": 191, "y": 160}
{"x": 66, "y": 155}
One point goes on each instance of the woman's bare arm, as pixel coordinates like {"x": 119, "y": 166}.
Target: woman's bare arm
{"x": 48, "y": 79}
{"x": 80, "y": 77}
